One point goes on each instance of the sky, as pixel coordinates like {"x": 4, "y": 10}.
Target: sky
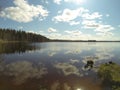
{"x": 63, "y": 19}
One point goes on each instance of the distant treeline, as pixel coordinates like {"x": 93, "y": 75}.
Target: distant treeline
{"x": 19, "y": 35}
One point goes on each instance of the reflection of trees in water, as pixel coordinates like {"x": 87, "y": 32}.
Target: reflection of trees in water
{"x": 1, "y": 63}
{"x": 15, "y": 48}
{"x": 1, "y": 58}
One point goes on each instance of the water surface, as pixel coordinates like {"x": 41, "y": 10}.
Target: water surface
{"x": 54, "y": 65}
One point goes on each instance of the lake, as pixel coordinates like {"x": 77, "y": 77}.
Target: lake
{"x": 54, "y": 65}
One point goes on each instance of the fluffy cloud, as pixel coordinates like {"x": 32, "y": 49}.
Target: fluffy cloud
{"x": 66, "y": 35}
{"x": 24, "y": 12}
{"x": 74, "y": 32}
{"x": 69, "y": 35}
{"x": 90, "y": 24}
{"x": 54, "y": 35}
{"x": 106, "y": 34}
{"x": 100, "y": 28}
{"x": 57, "y": 1}
{"x": 78, "y": 35}
{"x": 104, "y": 28}
{"x": 94, "y": 15}
{"x": 52, "y": 30}
{"x": 69, "y": 1}
{"x": 74, "y": 23}
{"x": 102, "y": 32}
{"x": 69, "y": 15}
{"x": 74, "y": 1}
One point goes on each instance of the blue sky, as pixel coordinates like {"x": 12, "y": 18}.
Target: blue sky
{"x": 63, "y": 19}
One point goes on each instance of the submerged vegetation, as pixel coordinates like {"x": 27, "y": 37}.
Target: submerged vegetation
{"x": 110, "y": 75}
{"x": 8, "y": 35}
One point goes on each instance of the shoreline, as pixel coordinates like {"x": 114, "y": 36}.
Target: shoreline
{"x": 2, "y": 41}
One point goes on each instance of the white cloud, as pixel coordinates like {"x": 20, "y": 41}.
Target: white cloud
{"x": 100, "y": 28}
{"x": 75, "y": 1}
{"x": 105, "y": 34}
{"x": 78, "y": 35}
{"x": 31, "y": 31}
{"x": 107, "y": 15}
{"x": 90, "y": 24}
{"x": 69, "y": 35}
{"x": 24, "y": 12}
{"x": 74, "y": 32}
{"x": 54, "y": 35}
{"x": 57, "y": 1}
{"x": 74, "y": 23}
{"x": 94, "y": 15}
{"x": 69, "y": 1}
{"x": 69, "y": 15}
{"x": 104, "y": 28}
{"x": 52, "y": 30}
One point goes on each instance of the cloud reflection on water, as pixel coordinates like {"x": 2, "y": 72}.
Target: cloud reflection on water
{"x": 66, "y": 48}
{"x": 57, "y": 86}
{"x": 68, "y": 69}
{"x": 23, "y": 70}
{"x": 72, "y": 61}
{"x": 101, "y": 50}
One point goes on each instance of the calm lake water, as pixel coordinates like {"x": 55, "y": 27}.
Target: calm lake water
{"x": 54, "y": 65}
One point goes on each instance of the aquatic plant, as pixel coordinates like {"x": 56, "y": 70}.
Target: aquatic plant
{"x": 109, "y": 73}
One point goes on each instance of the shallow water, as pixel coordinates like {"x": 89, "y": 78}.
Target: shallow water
{"x": 54, "y": 65}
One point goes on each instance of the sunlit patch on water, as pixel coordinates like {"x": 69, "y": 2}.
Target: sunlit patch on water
{"x": 79, "y": 89}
